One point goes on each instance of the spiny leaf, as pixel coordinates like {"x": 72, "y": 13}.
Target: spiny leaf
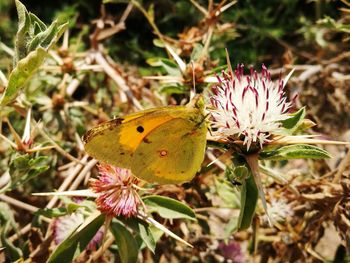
{"x": 296, "y": 151}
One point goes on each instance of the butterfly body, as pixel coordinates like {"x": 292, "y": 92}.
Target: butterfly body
{"x": 163, "y": 145}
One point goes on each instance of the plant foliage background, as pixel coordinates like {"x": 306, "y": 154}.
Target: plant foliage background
{"x": 96, "y": 67}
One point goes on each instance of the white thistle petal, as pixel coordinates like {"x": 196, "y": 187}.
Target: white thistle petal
{"x": 251, "y": 106}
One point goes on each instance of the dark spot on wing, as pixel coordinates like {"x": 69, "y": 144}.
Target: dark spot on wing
{"x": 122, "y": 153}
{"x": 140, "y": 129}
{"x": 182, "y": 172}
{"x": 146, "y": 140}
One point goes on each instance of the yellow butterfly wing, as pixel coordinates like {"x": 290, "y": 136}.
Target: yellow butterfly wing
{"x": 172, "y": 152}
{"x": 115, "y": 141}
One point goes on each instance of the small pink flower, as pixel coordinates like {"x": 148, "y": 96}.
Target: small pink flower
{"x": 250, "y": 107}
{"x": 117, "y": 194}
{"x": 232, "y": 251}
{"x": 63, "y": 226}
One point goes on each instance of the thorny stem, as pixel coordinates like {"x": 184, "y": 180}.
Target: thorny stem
{"x": 253, "y": 162}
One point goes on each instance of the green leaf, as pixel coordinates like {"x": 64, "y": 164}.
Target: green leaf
{"x": 144, "y": 231}
{"x": 43, "y": 38}
{"x": 21, "y": 73}
{"x": 169, "y": 66}
{"x": 39, "y": 25}
{"x": 8, "y": 223}
{"x": 175, "y": 89}
{"x": 146, "y": 235}
{"x": 296, "y": 151}
{"x": 51, "y": 212}
{"x": 291, "y": 124}
{"x": 23, "y": 28}
{"x": 32, "y": 42}
{"x": 249, "y": 199}
{"x": 25, "y": 167}
{"x": 12, "y": 252}
{"x": 72, "y": 246}
{"x": 127, "y": 245}
{"x": 158, "y": 43}
{"x": 168, "y": 208}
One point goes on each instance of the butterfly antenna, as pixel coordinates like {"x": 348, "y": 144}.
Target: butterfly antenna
{"x": 193, "y": 90}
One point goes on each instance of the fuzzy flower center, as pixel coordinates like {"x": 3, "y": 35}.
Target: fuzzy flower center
{"x": 251, "y": 106}
{"x": 117, "y": 196}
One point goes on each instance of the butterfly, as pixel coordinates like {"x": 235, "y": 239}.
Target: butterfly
{"x": 162, "y": 145}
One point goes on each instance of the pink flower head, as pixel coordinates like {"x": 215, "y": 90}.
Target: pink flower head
{"x": 251, "y": 106}
{"x": 117, "y": 194}
{"x": 232, "y": 251}
{"x": 64, "y": 225}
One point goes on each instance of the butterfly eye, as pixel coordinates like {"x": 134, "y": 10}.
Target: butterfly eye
{"x": 140, "y": 129}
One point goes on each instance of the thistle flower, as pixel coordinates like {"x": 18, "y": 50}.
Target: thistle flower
{"x": 63, "y": 226}
{"x": 117, "y": 194}
{"x": 278, "y": 210}
{"x": 232, "y": 251}
{"x": 251, "y": 106}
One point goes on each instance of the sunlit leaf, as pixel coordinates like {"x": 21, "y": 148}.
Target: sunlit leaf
{"x": 296, "y": 151}
{"x": 21, "y": 36}
{"x": 21, "y": 73}
{"x": 168, "y": 208}
{"x": 291, "y": 124}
